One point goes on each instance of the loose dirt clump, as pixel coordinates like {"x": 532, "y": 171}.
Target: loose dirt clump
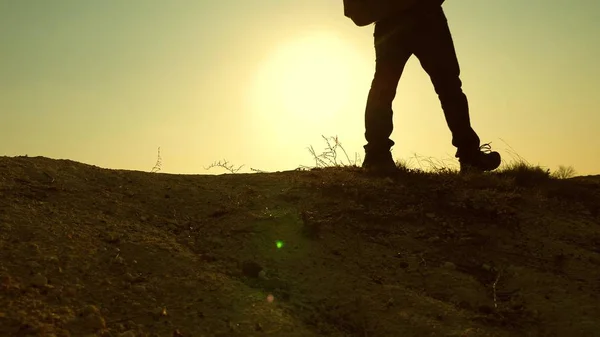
{"x": 86, "y": 251}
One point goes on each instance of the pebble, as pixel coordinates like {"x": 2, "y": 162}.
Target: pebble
{"x": 39, "y": 280}
{"x": 90, "y": 309}
{"x": 251, "y": 269}
{"x": 95, "y": 321}
{"x": 112, "y": 237}
{"x": 6, "y": 281}
{"x": 449, "y": 265}
{"x": 90, "y": 320}
{"x": 70, "y": 291}
{"x": 34, "y": 265}
{"x": 138, "y": 288}
{"x": 128, "y": 333}
{"x": 51, "y": 258}
{"x": 34, "y": 247}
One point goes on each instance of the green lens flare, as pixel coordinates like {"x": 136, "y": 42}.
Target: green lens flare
{"x": 279, "y": 244}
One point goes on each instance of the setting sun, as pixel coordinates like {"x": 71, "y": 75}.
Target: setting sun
{"x": 309, "y": 77}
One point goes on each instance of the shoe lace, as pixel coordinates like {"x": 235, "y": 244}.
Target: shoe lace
{"x": 486, "y": 148}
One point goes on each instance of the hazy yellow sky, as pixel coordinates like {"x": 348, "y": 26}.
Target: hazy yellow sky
{"x": 106, "y": 82}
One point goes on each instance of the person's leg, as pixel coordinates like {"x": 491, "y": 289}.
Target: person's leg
{"x": 391, "y": 55}
{"x": 435, "y": 50}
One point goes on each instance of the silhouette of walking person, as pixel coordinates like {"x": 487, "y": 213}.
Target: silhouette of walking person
{"x": 422, "y": 31}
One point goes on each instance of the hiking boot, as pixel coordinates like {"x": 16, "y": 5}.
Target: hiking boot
{"x": 379, "y": 163}
{"x": 480, "y": 160}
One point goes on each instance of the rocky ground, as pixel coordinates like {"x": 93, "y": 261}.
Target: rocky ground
{"x": 86, "y": 251}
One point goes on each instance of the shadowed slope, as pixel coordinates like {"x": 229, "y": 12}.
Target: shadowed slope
{"x": 302, "y": 253}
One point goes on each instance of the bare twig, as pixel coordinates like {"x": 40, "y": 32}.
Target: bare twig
{"x": 158, "y": 164}
{"x": 226, "y": 165}
{"x": 494, "y": 289}
{"x": 329, "y": 157}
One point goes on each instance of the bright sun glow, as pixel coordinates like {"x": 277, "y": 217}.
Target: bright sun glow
{"x": 307, "y": 80}
{"x": 313, "y": 76}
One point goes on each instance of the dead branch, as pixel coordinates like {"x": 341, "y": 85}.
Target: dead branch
{"x": 225, "y": 165}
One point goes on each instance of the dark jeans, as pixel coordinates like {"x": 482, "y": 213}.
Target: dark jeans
{"x": 425, "y": 34}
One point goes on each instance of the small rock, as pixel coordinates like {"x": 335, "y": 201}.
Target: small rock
{"x": 208, "y": 257}
{"x": 251, "y": 269}
{"x": 56, "y": 292}
{"x": 95, "y": 322}
{"x": 34, "y": 247}
{"x": 39, "y": 280}
{"x": 464, "y": 305}
{"x": 485, "y": 309}
{"x": 89, "y": 320}
{"x": 390, "y": 302}
{"x": 34, "y": 265}
{"x": 70, "y": 291}
{"x": 89, "y": 310}
{"x": 131, "y": 325}
{"x": 138, "y": 288}
{"x": 128, "y": 333}
{"x": 144, "y": 218}
{"x": 112, "y": 237}
{"x": 6, "y": 282}
{"x": 51, "y": 259}
{"x": 449, "y": 265}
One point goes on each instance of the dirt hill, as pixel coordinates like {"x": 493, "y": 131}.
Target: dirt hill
{"x": 86, "y": 251}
